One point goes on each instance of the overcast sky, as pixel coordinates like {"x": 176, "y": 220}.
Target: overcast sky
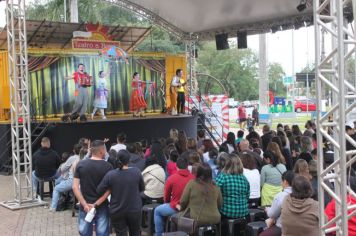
{"x": 279, "y": 45}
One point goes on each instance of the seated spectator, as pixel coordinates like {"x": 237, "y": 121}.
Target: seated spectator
{"x": 193, "y": 159}
{"x": 274, "y": 147}
{"x": 221, "y": 161}
{"x": 266, "y": 137}
{"x": 305, "y": 156}
{"x": 65, "y": 182}
{"x": 235, "y": 189}
{"x": 200, "y": 138}
{"x": 351, "y": 200}
{"x": 300, "y": 214}
{"x": 121, "y": 139}
{"x": 154, "y": 178}
{"x": 282, "y": 143}
{"x": 245, "y": 148}
{"x": 124, "y": 184}
{"x": 208, "y": 145}
{"x": 202, "y": 198}
{"x": 230, "y": 142}
{"x": 274, "y": 212}
{"x": 271, "y": 178}
{"x": 173, "y": 191}
{"x": 172, "y": 163}
{"x": 139, "y": 149}
{"x": 240, "y": 136}
{"x": 254, "y": 178}
{"x": 192, "y": 144}
{"x": 182, "y": 142}
{"x": 157, "y": 151}
{"x": 135, "y": 159}
{"x": 173, "y": 134}
{"x": 301, "y": 168}
{"x": 45, "y": 163}
{"x": 213, "y": 155}
{"x": 313, "y": 170}
{"x": 254, "y": 135}
{"x": 112, "y": 157}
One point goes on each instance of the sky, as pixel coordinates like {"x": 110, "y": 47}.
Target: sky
{"x": 279, "y": 46}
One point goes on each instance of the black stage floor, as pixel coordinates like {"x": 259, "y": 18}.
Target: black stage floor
{"x": 64, "y": 135}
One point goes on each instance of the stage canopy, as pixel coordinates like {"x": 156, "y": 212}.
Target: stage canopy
{"x": 205, "y": 18}
{"x": 49, "y": 34}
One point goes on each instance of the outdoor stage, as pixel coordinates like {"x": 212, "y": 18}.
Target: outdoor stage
{"x": 64, "y": 135}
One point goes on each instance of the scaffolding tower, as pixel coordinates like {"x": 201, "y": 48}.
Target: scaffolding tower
{"x": 19, "y": 108}
{"x": 331, "y": 76}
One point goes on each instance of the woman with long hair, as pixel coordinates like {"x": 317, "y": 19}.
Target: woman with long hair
{"x": 271, "y": 177}
{"x": 101, "y": 96}
{"x": 230, "y": 142}
{"x": 137, "y": 100}
{"x": 284, "y": 151}
{"x": 124, "y": 184}
{"x": 301, "y": 167}
{"x": 235, "y": 189}
{"x": 202, "y": 197}
{"x": 182, "y": 142}
{"x": 274, "y": 147}
{"x": 157, "y": 152}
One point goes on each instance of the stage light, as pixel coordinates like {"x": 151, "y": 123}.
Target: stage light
{"x": 302, "y": 5}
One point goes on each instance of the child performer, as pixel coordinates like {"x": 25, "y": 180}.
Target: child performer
{"x": 101, "y": 96}
{"x": 137, "y": 100}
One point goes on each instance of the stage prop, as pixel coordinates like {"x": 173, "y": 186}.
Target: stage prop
{"x": 216, "y": 113}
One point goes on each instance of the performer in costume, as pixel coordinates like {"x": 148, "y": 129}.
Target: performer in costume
{"x": 178, "y": 92}
{"x": 101, "y": 96}
{"x": 82, "y": 82}
{"x": 137, "y": 100}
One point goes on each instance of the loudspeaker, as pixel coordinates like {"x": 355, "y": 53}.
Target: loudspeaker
{"x": 241, "y": 40}
{"x": 221, "y": 41}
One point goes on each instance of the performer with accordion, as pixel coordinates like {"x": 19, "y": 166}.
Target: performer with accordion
{"x": 82, "y": 81}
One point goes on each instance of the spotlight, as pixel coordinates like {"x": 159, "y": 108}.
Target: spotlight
{"x": 302, "y": 5}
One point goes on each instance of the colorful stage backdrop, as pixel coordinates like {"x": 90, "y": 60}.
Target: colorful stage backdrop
{"x": 52, "y": 95}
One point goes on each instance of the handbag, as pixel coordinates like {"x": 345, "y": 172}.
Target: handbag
{"x": 187, "y": 224}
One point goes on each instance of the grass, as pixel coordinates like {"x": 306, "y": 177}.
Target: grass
{"x": 300, "y": 120}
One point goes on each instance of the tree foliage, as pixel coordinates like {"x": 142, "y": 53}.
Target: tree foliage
{"x": 275, "y": 79}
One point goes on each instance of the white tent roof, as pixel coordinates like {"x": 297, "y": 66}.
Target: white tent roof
{"x": 205, "y": 18}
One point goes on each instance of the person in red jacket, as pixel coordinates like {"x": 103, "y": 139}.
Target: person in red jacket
{"x": 173, "y": 191}
{"x": 330, "y": 208}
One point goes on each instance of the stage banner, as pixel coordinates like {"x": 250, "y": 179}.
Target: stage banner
{"x": 52, "y": 95}
{"x": 216, "y": 110}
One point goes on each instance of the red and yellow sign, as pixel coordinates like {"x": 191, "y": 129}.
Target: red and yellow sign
{"x": 99, "y": 39}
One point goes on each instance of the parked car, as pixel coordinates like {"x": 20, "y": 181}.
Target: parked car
{"x": 304, "y": 105}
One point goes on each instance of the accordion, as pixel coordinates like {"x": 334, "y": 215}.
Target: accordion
{"x": 85, "y": 80}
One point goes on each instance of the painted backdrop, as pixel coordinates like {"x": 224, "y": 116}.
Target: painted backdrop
{"x": 52, "y": 95}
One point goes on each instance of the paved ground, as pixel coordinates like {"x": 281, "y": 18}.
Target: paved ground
{"x": 36, "y": 221}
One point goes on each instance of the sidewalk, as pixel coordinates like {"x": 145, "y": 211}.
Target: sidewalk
{"x": 36, "y": 221}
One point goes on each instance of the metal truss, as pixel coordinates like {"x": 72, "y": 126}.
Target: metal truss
{"x": 331, "y": 76}
{"x": 19, "y": 107}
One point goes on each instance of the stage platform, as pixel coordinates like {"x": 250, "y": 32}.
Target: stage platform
{"x": 153, "y": 126}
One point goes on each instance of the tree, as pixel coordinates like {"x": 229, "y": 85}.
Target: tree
{"x": 275, "y": 79}
{"x": 236, "y": 69}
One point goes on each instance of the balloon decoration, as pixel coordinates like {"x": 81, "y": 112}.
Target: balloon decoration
{"x": 114, "y": 54}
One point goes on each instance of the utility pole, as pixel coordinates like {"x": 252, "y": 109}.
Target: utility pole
{"x": 263, "y": 77}
{"x": 74, "y": 16}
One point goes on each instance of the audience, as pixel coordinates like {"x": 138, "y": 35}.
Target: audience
{"x": 254, "y": 179}
{"x": 65, "y": 181}
{"x": 271, "y": 178}
{"x": 121, "y": 139}
{"x": 300, "y": 214}
{"x": 135, "y": 159}
{"x": 45, "y": 163}
{"x": 274, "y": 212}
{"x": 88, "y": 175}
{"x": 173, "y": 191}
{"x": 154, "y": 178}
{"x": 202, "y": 197}
{"x": 235, "y": 189}
{"x": 164, "y": 172}
{"x": 124, "y": 184}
